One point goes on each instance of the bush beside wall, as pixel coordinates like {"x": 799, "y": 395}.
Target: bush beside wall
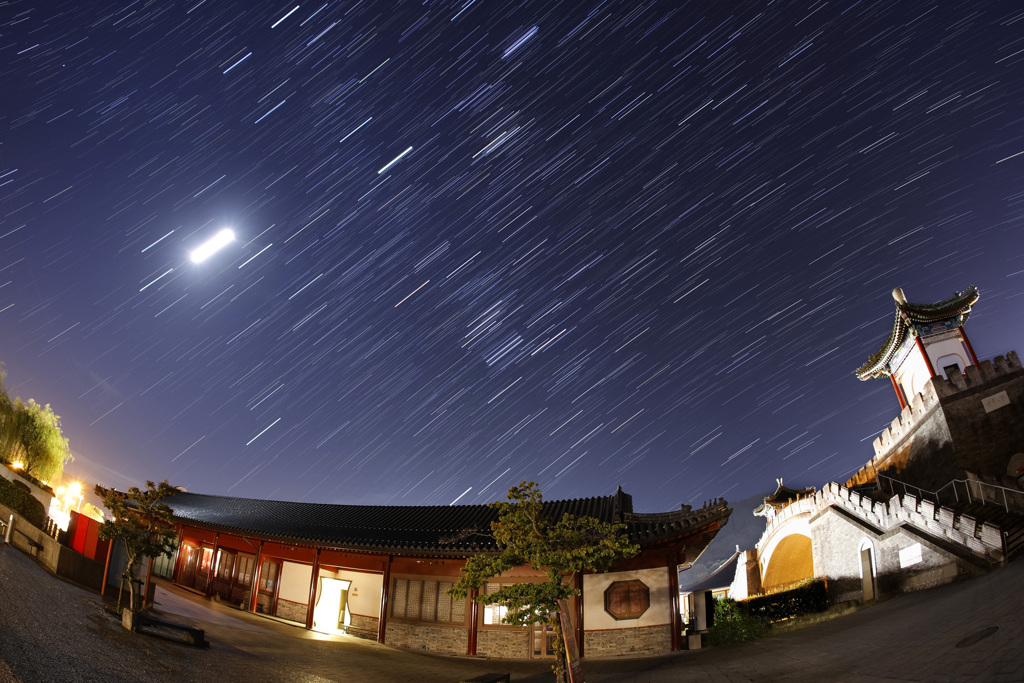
{"x": 19, "y": 498}
{"x": 805, "y": 597}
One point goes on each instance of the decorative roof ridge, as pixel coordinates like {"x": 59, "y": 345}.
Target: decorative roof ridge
{"x": 710, "y": 509}
{"x": 960, "y": 302}
{"x": 908, "y": 313}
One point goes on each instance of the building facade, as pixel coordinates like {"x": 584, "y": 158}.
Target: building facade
{"x": 382, "y": 572}
{"x": 942, "y": 496}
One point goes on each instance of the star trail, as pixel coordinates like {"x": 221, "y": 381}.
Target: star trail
{"x": 589, "y": 244}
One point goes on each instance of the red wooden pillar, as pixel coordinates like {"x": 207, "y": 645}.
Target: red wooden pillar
{"x": 579, "y": 613}
{"x": 673, "y": 595}
{"x": 312, "y": 589}
{"x": 176, "y": 574}
{"x": 474, "y": 617}
{"x": 256, "y": 576}
{"x": 899, "y": 394}
{"x": 924, "y": 354}
{"x": 967, "y": 343}
{"x": 385, "y": 601}
{"x": 106, "y": 567}
{"x": 213, "y": 566}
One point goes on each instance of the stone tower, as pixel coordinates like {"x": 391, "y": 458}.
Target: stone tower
{"x": 961, "y": 418}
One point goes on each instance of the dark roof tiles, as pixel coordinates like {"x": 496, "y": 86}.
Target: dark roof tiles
{"x": 434, "y": 529}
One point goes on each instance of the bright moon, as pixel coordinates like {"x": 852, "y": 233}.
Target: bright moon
{"x": 211, "y": 246}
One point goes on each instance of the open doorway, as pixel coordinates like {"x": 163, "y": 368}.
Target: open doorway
{"x": 330, "y": 612}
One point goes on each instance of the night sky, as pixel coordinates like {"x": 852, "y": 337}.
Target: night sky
{"x": 589, "y": 244}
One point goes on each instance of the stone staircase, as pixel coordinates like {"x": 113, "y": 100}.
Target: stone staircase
{"x": 1010, "y": 523}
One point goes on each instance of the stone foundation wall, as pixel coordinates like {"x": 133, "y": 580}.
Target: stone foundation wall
{"x": 363, "y": 627}
{"x": 503, "y": 643}
{"x": 428, "y": 637}
{"x": 628, "y": 641}
{"x": 292, "y": 611}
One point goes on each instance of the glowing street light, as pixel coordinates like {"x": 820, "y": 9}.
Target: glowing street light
{"x": 220, "y": 239}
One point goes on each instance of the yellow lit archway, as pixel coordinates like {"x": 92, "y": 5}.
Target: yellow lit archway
{"x": 790, "y": 562}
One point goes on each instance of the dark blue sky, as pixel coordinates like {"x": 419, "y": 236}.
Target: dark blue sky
{"x": 587, "y": 244}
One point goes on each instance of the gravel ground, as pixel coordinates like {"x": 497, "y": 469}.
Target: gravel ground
{"x": 54, "y": 631}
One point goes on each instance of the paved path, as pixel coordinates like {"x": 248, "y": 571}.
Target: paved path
{"x": 52, "y": 631}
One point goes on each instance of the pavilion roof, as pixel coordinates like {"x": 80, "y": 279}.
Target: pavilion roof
{"x": 782, "y": 497}
{"x": 453, "y": 530}
{"x": 907, "y": 316}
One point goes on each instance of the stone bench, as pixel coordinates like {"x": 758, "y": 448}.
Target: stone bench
{"x": 190, "y": 634}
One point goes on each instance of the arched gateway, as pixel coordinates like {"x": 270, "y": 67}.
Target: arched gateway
{"x": 382, "y": 571}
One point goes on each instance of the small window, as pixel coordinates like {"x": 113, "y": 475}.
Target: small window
{"x": 627, "y": 599}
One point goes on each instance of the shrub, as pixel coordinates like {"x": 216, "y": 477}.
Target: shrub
{"x": 804, "y": 598}
{"x": 733, "y": 624}
{"x": 19, "y": 498}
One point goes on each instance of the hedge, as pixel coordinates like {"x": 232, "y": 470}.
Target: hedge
{"x": 804, "y": 598}
{"x": 19, "y": 498}
{"x": 733, "y": 624}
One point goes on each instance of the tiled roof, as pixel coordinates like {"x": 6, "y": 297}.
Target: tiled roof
{"x": 455, "y": 530}
{"x": 958, "y": 305}
{"x": 718, "y": 579}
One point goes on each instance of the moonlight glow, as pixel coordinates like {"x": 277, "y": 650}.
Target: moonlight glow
{"x": 211, "y": 246}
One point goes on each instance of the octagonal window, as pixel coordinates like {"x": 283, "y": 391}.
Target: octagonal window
{"x": 627, "y": 599}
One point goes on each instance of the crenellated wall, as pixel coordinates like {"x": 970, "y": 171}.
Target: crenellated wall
{"x": 837, "y": 518}
{"x": 965, "y": 422}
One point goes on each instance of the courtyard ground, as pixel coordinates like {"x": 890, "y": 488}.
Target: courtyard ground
{"x": 54, "y": 631}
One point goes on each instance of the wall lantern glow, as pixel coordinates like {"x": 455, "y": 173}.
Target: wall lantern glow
{"x": 220, "y": 239}
{"x": 18, "y": 465}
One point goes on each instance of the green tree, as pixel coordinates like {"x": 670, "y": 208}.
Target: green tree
{"x": 143, "y": 524}
{"x": 559, "y": 548}
{"x": 40, "y": 443}
{"x": 30, "y": 433}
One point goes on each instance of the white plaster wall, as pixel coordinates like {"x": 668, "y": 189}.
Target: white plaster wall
{"x": 944, "y": 349}
{"x": 912, "y": 374}
{"x": 594, "y": 585}
{"x": 295, "y": 582}
{"x": 738, "y": 589}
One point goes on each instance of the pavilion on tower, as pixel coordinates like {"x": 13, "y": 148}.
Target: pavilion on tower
{"x": 927, "y": 340}
{"x": 960, "y": 418}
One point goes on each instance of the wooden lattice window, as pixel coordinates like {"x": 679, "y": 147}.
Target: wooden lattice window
{"x": 425, "y": 601}
{"x": 627, "y": 599}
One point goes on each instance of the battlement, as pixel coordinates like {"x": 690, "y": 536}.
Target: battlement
{"x": 978, "y": 375}
{"x": 935, "y": 390}
{"x": 937, "y": 521}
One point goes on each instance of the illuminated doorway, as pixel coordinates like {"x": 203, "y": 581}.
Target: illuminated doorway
{"x": 330, "y": 613}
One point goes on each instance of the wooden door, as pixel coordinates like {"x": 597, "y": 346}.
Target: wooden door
{"x": 867, "y": 570}
{"x": 188, "y": 565}
{"x": 270, "y": 580}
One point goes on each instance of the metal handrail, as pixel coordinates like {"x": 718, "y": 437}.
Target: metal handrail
{"x": 936, "y": 498}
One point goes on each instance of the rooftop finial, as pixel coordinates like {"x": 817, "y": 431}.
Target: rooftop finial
{"x": 899, "y": 296}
